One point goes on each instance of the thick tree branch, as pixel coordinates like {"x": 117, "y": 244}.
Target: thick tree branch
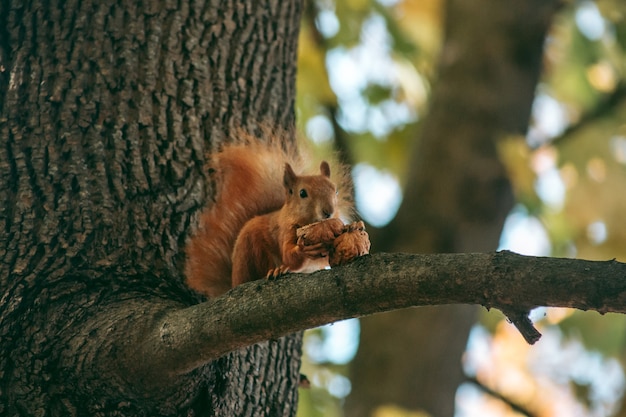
{"x": 182, "y": 340}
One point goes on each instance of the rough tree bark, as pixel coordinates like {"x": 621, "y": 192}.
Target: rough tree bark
{"x": 106, "y": 111}
{"x": 457, "y": 196}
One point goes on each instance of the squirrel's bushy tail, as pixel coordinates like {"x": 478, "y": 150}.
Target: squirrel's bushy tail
{"x": 248, "y": 178}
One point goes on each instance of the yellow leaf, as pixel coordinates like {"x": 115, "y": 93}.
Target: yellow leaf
{"x": 390, "y": 410}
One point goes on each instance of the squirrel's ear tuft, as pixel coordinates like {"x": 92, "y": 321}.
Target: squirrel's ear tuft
{"x": 325, "y": 169}
{"x": 290, "y": 177}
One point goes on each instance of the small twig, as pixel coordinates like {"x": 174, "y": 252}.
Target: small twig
{"x": 521, "y": 321}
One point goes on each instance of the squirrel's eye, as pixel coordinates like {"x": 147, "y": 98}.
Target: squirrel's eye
{"x": 303, "y": 193}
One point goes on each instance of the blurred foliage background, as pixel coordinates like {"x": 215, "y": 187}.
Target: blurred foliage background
{"x": 366, "y": 70}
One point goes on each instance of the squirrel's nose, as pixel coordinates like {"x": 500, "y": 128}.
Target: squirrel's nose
{"x": 327, "y": 213}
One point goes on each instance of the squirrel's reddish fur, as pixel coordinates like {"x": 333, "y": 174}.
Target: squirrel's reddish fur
{"x": 258, "y": 207}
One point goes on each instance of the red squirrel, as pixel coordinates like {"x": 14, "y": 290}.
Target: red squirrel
{"x": 249, "y": 232}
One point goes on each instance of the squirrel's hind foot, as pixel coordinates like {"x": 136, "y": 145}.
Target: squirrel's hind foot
{"x": 275, "y": 273}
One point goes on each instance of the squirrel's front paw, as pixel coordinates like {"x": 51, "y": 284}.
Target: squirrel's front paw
{"x": 355, "y": 226}
{"x": 319, "y": 250}
{"x": 323, "y": 232}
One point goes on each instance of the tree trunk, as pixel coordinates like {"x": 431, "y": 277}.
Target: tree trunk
{"x": 457, "y": 197}
{"x": 106, "y": 112}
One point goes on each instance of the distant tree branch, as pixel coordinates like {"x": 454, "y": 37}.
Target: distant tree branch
{"x": 495, "y": 394}
{"x": 604, "y": 108}
{"x": 341, "y": 136}
{"x": 182, "y": 339}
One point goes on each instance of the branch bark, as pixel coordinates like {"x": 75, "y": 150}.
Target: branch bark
{"x": 183, "y": 339}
